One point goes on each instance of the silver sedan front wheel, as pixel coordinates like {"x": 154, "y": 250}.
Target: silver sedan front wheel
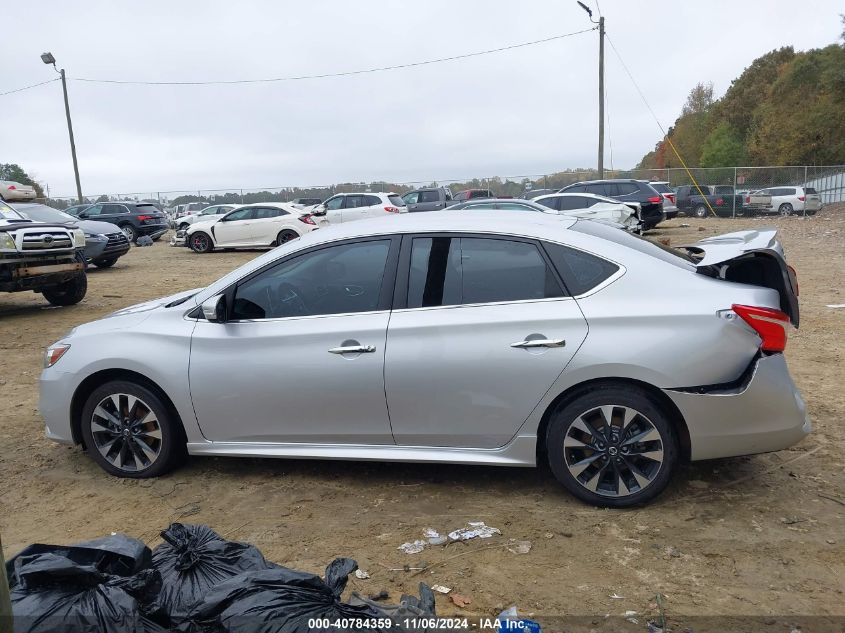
{"x": 131, "y": 430}
{"x": 612, "y": 446}
{"x": 126, "y": 432}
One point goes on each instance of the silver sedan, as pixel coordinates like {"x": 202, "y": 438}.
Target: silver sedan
{"x": 471, "y": 337}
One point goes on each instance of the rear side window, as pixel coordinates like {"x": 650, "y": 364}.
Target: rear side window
{"x": 454, "y": 271}
{"x": 581, "y": 272}
{"x": 429, "y": 196}
{"x": 370, "y": 201}
{"x": 810, "y": 190}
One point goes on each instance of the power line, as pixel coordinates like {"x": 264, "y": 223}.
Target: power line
{"x": 49, "y": 81}
{"x": 338, "y": 74}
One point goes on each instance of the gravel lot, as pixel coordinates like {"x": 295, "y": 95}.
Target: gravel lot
{"x": 760, "y": 535}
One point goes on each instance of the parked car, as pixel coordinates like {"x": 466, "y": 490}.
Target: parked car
{"x": 190, "y": 208}
{"x": 429, "y": 199}
{"x": 626, "y": 190}
{"x": 592, "y": 207}
{"x": 723, "y": 199}
{"x": 104, "y": 242}
{"x": 669, "y": 208}
{"x": 11, "y": 190}
{"x": 41, "y": 257}
{"x": 347, "y": 207}
{"x": 536, "y": 193}
{"x": 249, "y": 226}
{"x": 77, "y": 208}
{"x": 490, "y": 337}
{"x": 306, "y": 202}
{"x": 134, "y": 218}
{"x": 791, "y": 200}
{"x": 218, "y": 209}
{"x": 473, "y": 194}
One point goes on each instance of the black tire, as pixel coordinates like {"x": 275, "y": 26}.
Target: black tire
{"x": 620, "y": 457}
{"x": 130, "y": 232}
{"x": 105, "y": 263}
{"x": 122, "y": 441}
{"x": 785, "y": 209}
{"x": 201, "y": 242}
{"x": 70, "y": 292}
{"x": 157, "y": 238}
{"x": 700, "y": 211}
{"x": 285, "y": 236}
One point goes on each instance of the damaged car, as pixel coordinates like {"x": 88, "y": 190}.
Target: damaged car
{"x": 474, "y": 337}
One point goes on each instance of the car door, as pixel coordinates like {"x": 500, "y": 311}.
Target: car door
{"x": 235, "y": 228}
{"x": 480, "y": 330}
{"x": 354, "y": 208}
{"x": 373, "y": 206}
{"x": 430, "y": 200}
{"x": 266, "y": 225}
{"x": 334, "y": 210}
{"x": 302, "y": 352}
{"x": 812, "y": 200}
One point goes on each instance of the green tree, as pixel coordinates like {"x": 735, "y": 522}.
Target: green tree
{"x": 723, "y": 147}
{"x": 14, "y": 172}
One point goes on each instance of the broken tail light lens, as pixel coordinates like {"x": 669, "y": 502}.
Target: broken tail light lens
{"x": 307, "y": 219}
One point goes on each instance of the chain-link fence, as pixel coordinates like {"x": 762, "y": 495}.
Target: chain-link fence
{"x": 828, "y": 182}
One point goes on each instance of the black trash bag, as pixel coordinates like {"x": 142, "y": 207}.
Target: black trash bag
{"x": 116, "y": 555}
{"x": 281, "y": 600}
{"x": 57, "y": 595}
{"x": 410, "y": 608}
{"x": 194, "y": 559}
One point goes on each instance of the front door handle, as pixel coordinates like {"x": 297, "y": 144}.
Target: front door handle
{"x": 541, "y": 342}
{"x": 353, "y": 349}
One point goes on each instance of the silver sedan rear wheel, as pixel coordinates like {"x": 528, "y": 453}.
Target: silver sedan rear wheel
{"x": 126, "y": 432}
{"x": 613, "y": 451}
{"x": 612, "y": 445}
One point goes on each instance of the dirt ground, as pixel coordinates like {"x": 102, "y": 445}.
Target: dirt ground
{"x": 754, "y": 536}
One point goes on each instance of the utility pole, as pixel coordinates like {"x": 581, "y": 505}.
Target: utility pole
{"x": 601, "y": 85}
{"x": 601, "y": 97}
{"x": 48, "y": 58}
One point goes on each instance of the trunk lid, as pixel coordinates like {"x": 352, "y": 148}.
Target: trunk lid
{"x": 753, "y": 257}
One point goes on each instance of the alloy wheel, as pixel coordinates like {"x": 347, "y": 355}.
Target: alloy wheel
{"x": 613, "y": 451}
{"x": 126, "y": 432}
{"x": 199, "y": 242}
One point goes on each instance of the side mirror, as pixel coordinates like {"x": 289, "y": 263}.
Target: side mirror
{"x": 82, "y": 215}
{"x": 214, "y": 309}
{"x": 319, "y": 211}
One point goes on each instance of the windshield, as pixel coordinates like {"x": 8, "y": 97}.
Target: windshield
{"x": 41, "y": 213}
{"x": 8, "y": 213}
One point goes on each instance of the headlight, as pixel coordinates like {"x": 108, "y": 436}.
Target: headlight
{"x": 54, "y": 353}
{"x": 79, "y": 238}
{"x": 7, "y": 242}
{"x": 96, "y": 236}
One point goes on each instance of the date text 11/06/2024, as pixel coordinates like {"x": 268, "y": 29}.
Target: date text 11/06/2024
{"x": 427, "y": 624}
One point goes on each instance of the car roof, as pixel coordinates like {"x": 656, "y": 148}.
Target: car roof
{"x": 478, "y": 201}
{"x": 365, "y": 193}
{"x": 601, "y": 181}
{"x": 567, "y": 194}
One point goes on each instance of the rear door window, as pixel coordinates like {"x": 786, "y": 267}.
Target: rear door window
{"x": 581, "y": 272}
{"x": 455, "y": 271}
{"x": 411, "y": 198}
{"x": 627, "y": 188}
{"x": 370, "y": 201}
{"x": 576, "y": 189}
{"x": 602, "y": 189}
{"x": 353, "y": 202}
{"x": 429, "y": 196}
{"x": 551, "y": 203}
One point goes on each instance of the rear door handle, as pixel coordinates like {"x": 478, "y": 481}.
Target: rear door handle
{"x": 541, "y": 342}
{"x": 353, "y": 349}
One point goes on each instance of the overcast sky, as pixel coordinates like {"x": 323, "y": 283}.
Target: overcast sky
{"x": 532, "y": 110}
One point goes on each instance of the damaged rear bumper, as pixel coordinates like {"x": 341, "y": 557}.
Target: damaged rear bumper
{"x": 764, "y": 412}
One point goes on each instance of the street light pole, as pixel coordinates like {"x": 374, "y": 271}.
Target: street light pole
{"x": 48, "y": 58}
{"x": 601, "y": 85}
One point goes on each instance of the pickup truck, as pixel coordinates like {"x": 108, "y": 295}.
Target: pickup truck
{"x": 723, "y": 199}
{"x": 429, "y": 199}
{"x": 41, "y": 257}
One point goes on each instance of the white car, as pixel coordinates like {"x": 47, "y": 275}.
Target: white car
{"x": 11, "y": 190}
{"x": 218, "y": 209}
{"x": 252, "y": 225}
{"x": 346, "y": 207}
{"x": 793, "y": 200}
{"x": 593, "y": 207}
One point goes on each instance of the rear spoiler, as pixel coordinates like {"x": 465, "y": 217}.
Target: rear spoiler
{"x": 753, "y": 257}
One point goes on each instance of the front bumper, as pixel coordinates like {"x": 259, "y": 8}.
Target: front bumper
{"x": 179, "y": 239}
{"x": 762, "y": 414}
{"x": 56, "y": 389}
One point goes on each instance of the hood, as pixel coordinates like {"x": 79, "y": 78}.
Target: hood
{"x": 154, "y": 303}
{"x": 96, "y": 228}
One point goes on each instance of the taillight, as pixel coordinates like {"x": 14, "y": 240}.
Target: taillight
{"x": 392, "y": 209}
{"x": 670, "y": 197}
{"x": 801, "y": 198}
{"x": 655, "y": 199}
{"x": 307, "y": 219}
{"x": 770, "y": 324}
{"x": 12, "y": 188}
{"x": 720, "y": 202}
{"x": 747, "y": 199}
{"x": 143, "y": 218}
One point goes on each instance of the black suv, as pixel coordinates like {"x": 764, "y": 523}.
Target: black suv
{"x": 626, "y": 190}
{"x": 134, "y": 218}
